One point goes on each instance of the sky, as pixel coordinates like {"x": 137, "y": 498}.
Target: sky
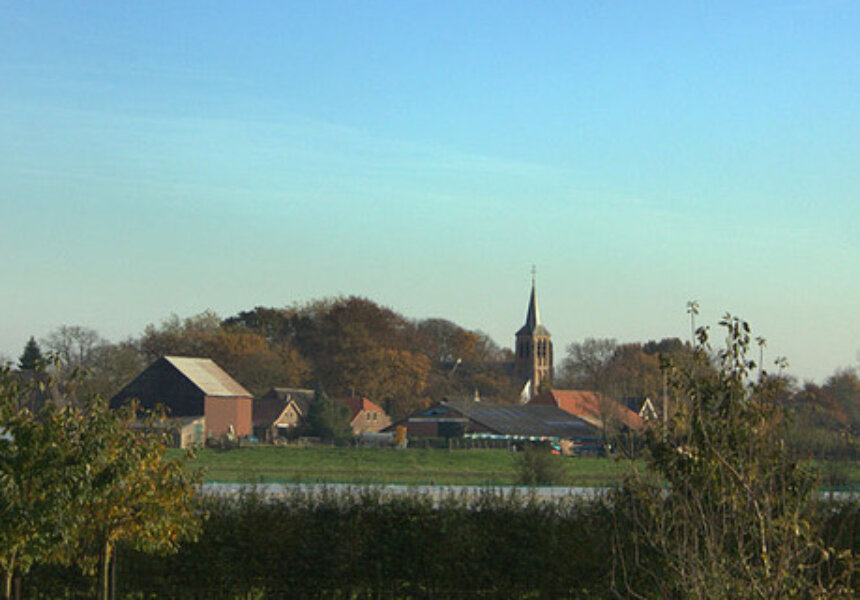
{"x": 173, "y": 157}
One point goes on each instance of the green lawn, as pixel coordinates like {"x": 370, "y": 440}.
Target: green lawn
{"x": 322, "y": 464}
{"x": 385, "y": 465}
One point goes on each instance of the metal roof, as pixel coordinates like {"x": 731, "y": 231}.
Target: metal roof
{"x": 208, "y": 376}
{"x": 527, "y": 420}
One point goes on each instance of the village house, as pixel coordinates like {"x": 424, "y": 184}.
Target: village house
{"x": 366, "y": 416}
{"x": 280, "y": 412}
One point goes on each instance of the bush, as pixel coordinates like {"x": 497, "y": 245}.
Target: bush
{"x": 537, "y": 465}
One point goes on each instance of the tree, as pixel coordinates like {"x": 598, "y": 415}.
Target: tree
{"x": 844, "y": 387}
{"x": 78, "y": 479}
{"x": 585, "y": 364}
{"x": 72, "y": 344}
{"x": 727, "y": 511}
{"x": 36, "y": 479}
{"x": 131, "y": 493}
{"x": 31, "y": 356}
{"x": 328, "y": 419}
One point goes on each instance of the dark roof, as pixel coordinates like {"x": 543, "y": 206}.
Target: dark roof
{"x": 533, "y": 325}
{"x": 525, "y": 420}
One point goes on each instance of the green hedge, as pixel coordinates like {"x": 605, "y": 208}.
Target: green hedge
{"x": 364, "y": 545}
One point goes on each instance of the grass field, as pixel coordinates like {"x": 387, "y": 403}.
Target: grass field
{"x": 384, "y": 465}
{"x": 320, "y": 464}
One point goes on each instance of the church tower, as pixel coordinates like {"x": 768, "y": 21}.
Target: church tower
{"x": 533, "y": 363}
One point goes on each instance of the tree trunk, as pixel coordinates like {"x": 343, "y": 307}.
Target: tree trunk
{"x": 7, "y": 579}
{"x": 107, "y": 560}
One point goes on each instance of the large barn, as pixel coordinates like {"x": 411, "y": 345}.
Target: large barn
{"x": 457, "y": 417}
{"x": 192, "y": 387}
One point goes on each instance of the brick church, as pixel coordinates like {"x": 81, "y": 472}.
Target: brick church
{"x": 533, "y": 352}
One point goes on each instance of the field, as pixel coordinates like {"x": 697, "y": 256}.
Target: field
{"x": 321, "y": 464}
{"x": 372, "y": 465}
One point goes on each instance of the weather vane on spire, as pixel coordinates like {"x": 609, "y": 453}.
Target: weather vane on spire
{"x": 534, "y": 273}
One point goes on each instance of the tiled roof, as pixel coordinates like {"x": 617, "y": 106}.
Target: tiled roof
{"x": 208, "y": 376}
{"x": 356, "y": 405}
{"x": 589, "y": 406}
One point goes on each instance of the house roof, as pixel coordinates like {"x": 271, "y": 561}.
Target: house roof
{"x": 525, "y": 420}
{"x": 211, "y": 379}
{"x": 271, "y": 405}
{"x": 641, "y": 405}
{"x": 590, "y": 406}
{"x": 357, "y": 405}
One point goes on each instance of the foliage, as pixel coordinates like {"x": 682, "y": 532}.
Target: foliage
{"x": 620, "y": 370}
{"x": 77, "y": 478}
{"x": 37, "y": 479}
{"x": 537, "y": 465}
{"x": 729, "y": 511}
{"x": 31, "y": 356}
{"x": 366, "y": 544}
{"x": 132, "y": 494}
{"x": 328, "y": 419}
{"x": 844, "y": 387}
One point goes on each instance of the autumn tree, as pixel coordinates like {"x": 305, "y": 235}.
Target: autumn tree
{"x": 76, "y": 479}
{"x": 844, "y": 387}
{"x": 242, "y": 351}
{"x": 37, "y": 473}
{"x": 132, "y": 494}
{"x": 727, "y": 511}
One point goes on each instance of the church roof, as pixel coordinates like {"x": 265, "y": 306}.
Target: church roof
{"x": 533, "y": 325}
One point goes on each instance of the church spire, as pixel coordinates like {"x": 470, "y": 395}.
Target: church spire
{"x": 533, "y": 314}
{"x": 533, "y": 324}
{"x": 533, "y": 351}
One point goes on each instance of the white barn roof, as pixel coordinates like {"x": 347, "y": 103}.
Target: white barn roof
{"x": 207, "y": 376}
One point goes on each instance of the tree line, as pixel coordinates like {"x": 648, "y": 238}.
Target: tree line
{"x": 348, "y": 346}
{"x": 353, "y": 346}
{"x": 724, "y": 508}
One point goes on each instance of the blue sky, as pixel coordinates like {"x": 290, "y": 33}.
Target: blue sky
{"x": 172, "y": 157}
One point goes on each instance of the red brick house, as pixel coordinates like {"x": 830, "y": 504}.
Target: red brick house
{"x": 366, "y": 416}
{"x": 192, "y": 387}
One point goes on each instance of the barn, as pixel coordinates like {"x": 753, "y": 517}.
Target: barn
{"x": 192, "y": 387}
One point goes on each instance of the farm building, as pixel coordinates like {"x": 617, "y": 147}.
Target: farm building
{"x": 592, "y": 407}
{"x": 192, "y": 387}
{"x": 468, "y": 418}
